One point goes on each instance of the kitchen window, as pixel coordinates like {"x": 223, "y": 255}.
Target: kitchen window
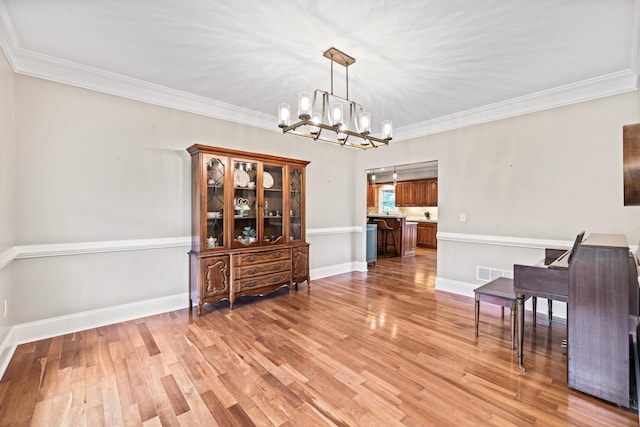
{"x": 388, "y": 197}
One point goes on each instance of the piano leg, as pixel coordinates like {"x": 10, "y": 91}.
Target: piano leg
{"x": 520, "y": 328}
{"x": 550, "y": 309}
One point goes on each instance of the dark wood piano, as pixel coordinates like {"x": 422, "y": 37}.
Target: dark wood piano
{"x": 598, "y": 278}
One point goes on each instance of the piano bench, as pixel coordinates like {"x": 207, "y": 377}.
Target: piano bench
{"x": 500, "y": 292}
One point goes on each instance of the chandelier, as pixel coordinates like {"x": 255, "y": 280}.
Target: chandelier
{"x": 324, "y": 112}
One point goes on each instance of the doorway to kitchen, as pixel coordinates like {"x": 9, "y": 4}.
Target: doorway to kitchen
{"x": 407, "y": 196}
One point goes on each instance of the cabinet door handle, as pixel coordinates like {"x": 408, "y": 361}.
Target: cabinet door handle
{"x": 250, "y": 284}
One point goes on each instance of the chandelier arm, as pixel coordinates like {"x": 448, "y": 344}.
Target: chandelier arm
{"x": 347, "y": 71}
{"x": 325, "y": 109}
{"x": 332, "y": 74}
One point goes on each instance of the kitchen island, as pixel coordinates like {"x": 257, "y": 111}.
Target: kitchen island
{"x": 405, "y": 234}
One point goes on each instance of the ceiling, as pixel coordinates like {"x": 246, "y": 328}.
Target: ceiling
{"x": 427, "y": 65}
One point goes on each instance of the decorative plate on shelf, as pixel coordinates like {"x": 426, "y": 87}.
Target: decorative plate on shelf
{"x": 267, "y": 180}
{"x": 240, "y": 178}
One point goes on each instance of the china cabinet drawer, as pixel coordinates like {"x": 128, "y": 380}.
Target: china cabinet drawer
{"x": 261, "y": 269}
{"x": 262, "y": 257}
{"x": 252, "y": 283}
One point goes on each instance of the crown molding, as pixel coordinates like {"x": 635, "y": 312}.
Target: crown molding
{"x": 586, "y": 90}
{"x": 62, "y": 71}
{"x": 34, "y": 64}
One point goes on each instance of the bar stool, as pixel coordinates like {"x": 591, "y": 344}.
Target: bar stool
{"x": 385, "y": 229}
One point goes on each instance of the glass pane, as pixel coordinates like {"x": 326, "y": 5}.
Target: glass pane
{"x": 388, "y": 196}
{"x": 272, "y": 183}
{"x": 295, "y": 198}
{"x": 215, "y": 202}
{"x": 245, "y": 202}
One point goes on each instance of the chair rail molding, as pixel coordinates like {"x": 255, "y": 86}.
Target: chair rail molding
{"x": 518, "y": 242}
{"x": 81, "y": 248}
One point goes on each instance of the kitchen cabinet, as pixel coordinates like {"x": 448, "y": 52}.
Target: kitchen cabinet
{"x": 421, "y": 192}
{"x": 372, "y": 195}
{"x": 400, "y": 197}
{"x": 427, "y": 234}
{"x": 409, "y": 238}
{"x": 432, "y": 192}
{"x": 248, "y": 224}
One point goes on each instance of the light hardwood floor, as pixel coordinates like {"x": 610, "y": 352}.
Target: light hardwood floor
{"x": 381, "y": 348}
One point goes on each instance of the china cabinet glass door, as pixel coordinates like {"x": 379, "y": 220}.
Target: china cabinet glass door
{"x": 245, "y": 203}
{"x": 295, "y": 204}
{"x": 214, "y": 201}
{"x": 272, "y": 229}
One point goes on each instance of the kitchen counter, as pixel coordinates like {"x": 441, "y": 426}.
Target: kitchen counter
{"x": 404, "y": 233}
{"x": 421, "y": 219}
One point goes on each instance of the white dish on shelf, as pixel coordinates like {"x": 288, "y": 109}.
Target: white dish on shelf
{"x": 213, "y": 215}
{"x": 240, "y": 178}
{"x": 267, "y": 180}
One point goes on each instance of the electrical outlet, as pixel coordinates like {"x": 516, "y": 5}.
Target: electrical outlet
{"x": 5, "y": 308}
{"x": 463, "y": 217}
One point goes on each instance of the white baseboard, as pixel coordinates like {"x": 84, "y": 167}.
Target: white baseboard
{"x": 47, "y": 328}
{"x": 455, "y": 286}
{"x": 332, "y": 270}
{"x": 7, "y": 348}
{"x": 55, "y": 326}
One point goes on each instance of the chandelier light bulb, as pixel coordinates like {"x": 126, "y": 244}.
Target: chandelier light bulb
{"x": 315, "y": 119}
{"x": 304, "y": 105}
{"x": 365, "y": 122}
{"x": 283, "y": 115}
{"x": 336, "y": 113}
{"x": 387, "y": 129}
{"x": 342, "y": 136}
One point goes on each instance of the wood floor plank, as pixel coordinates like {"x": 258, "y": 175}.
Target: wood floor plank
{"x": 373, "y": 348}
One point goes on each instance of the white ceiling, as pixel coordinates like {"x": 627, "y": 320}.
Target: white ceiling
{"x": 426, "y": 65}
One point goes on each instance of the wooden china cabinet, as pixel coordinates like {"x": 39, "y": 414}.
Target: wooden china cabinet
{"x": 247, "y": 224}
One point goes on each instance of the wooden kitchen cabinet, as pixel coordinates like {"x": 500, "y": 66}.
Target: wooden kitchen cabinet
{"x": 409, "y": 238}
{"x": 400, "y": 197}
{"x": 427, "y": 234}
{"x": 248, "y": 224}
{"x": 431, "y": 192}
{"x": 372, "y": 195}
{"x": 420, "y": 192}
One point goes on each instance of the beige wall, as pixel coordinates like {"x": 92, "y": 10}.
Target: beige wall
{"x": 94, "y": 167}
{"x": 7, "y": 88}
{"x": 545, "y": 175}
{"x": 7, "y": 218}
